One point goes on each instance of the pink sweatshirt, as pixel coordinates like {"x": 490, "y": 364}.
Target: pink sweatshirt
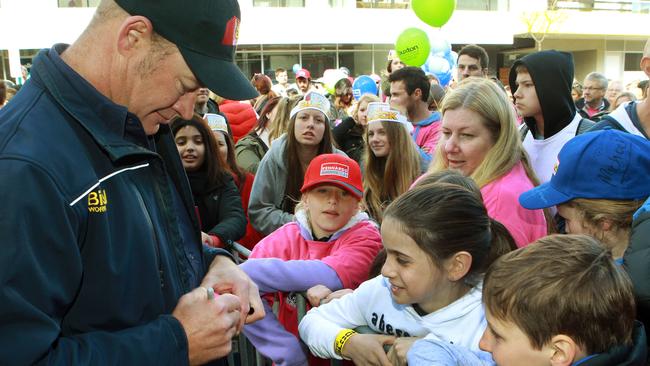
{"x": 501, "y": 199}
{"x": 427, "y": 132}
{"x": 349, "y": 254}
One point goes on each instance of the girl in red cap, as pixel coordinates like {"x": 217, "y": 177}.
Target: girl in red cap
{"x": 329, "y": 246}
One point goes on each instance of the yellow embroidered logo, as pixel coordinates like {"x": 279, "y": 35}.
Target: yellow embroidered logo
{"x": 97, "y": 201}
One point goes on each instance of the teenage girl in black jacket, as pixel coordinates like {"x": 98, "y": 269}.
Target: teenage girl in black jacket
{"x": 215, "y": 194}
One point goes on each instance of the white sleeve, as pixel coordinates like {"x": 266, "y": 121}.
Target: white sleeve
{"x": 318, "y": 329}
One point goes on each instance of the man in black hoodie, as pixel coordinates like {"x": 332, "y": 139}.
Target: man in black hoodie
{"x": 541, "y": 83}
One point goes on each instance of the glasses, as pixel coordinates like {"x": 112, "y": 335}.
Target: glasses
{"x": 590, "y": 88}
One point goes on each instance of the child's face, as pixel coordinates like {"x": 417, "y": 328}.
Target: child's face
{"x": 574, "y": 223}
{"x": 189, "y": 143}
{"x": 526, "y": 100}
{"x": 413, "y": 277}
{"x": 509, "y": 346}
{"x": 329, "y": 208}
{"x": 378, "y": 140}
{"x": 222, "y": 145}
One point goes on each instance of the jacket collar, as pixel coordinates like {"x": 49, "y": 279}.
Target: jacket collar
{"x": 118, "y": 132}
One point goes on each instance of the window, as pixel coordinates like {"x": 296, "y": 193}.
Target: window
{"x": 383, "y": 4}
{"x": 318, "y": 58}
{"x": 485, "y": 5}
{"x": 279, "y": 3}
{"x": 632, "y": 61}
{"x": 78, "y": 3}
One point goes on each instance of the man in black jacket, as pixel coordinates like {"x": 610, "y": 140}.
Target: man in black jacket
{"x": 101, "y": 259}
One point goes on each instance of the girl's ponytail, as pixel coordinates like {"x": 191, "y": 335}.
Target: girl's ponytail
{"x": 501, "y": 243}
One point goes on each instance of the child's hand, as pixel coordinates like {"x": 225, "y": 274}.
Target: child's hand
{"x": 367, "y": 349}
{"x": 316, "y": 294}
{"x": 401, "y": 346}
{"x": 336, "y": 294}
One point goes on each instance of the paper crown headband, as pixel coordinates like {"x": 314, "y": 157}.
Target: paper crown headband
{"x": 312, "y": 100}
{"x": 216, "y": 122}
{"x": 378, "y": 112}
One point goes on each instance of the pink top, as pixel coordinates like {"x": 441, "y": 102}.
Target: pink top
{"x": 501, "y": 199}
{"x": 350, "y": 255}
{"x": 427, "y": 133}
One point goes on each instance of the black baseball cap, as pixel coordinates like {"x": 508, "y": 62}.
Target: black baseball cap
{"x": 205, "y": 32}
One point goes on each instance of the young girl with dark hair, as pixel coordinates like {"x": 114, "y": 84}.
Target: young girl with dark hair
{"x": 243, "y": 180}
{"x": 439, "y": 239}
{"x": 276, "y": 188}
{"x": 215, "y": 193}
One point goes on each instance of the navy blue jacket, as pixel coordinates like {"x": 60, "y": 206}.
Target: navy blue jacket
{"x": 98, "y": 233}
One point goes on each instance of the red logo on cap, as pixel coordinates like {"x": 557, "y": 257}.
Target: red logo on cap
{"x": 232, "y": 32}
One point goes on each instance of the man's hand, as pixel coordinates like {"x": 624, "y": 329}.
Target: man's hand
{"x": 224, "y": 276}
{"x": 209, "y": 324}
{"x": 367, "y": 349}
{"x": 401, "y": 346}
{"x": 317, "y": 294}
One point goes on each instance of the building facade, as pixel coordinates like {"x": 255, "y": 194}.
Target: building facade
{"x": 606, "y": 36}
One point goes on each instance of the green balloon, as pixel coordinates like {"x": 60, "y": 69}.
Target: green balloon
{"x": 413, "y": 47}
{"x": 436, "y": 13}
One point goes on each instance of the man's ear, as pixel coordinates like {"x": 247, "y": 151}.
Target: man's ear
{"x": 564, "y": 350}
{"x": 485, "y": 72}
{"x": 458, "y": 266}
{"x": 134, "y": 33}
{"x": 645, "y": 65}
{"x": 417, "y": 93}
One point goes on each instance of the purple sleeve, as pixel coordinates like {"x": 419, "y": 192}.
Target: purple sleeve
{"x": 271, "y": 340}
{"x": 273, "y": 275}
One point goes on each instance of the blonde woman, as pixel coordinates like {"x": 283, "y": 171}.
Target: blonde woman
{"x": 349, "y": 133}
{"x": 479, "y": 138}
{"x": 391, "y": 159}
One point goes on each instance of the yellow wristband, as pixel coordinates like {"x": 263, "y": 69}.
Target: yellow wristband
{"x": 341, "y": 339}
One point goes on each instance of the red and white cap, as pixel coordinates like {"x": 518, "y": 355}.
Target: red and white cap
{"x": 303, "y": 73}
{"x": 334, "y": 169}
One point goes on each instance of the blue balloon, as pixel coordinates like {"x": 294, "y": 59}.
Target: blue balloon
{"x": 445, "y": 79}
{"x": 364, "y": 84}
{"x": 296, "y": 68}
{"x": 452, "y": 58}
{"x": 439, "y": 45}
{"x": 440, "y": 67}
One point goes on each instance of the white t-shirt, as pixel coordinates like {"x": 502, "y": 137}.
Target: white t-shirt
{"x": 621, "y": 116}
{"x": 543, "y": 153}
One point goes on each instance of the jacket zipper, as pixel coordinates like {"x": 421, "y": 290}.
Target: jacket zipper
{"x": 155, "y": 237}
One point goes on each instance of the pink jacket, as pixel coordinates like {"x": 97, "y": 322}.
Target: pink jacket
{"x": 350, "y": 255}
{"x": 427, "y": 132}
{"x": 501, "y": 199}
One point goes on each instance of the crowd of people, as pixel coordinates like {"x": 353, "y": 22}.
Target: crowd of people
{"x": 474, "y": 223}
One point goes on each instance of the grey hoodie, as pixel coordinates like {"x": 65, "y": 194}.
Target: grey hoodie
{"x": 265, "y": 205}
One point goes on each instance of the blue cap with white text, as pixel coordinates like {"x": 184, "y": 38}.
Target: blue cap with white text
{"x": 605, "y": 164}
